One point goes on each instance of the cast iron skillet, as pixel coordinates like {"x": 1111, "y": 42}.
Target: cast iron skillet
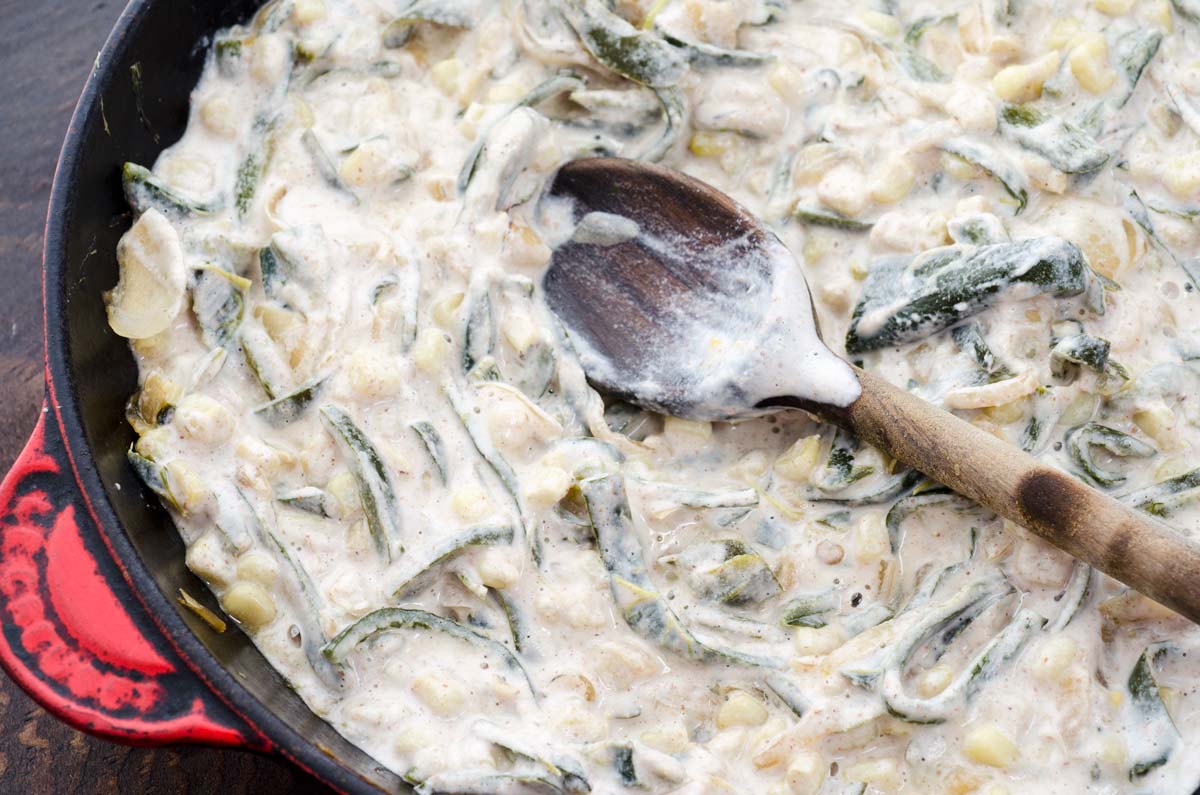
{"x": 90, "y": 566}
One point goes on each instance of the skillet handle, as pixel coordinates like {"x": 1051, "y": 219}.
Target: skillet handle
{"x": 72, "y": 633}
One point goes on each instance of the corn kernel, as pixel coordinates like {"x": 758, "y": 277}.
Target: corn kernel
{"x": 207, "y": 559}
{"x": 741, "y": 709}
{"x": 442, "y": 697}
{"x": 204, "y": 419}
{"x": 816, "y": 642}
{"x": 1089, "y": 64}
{"x": 787, "y": 80}
{"x": 430, "y": 350}
{"x": 1112, "y": 751}
{"x": 258, "y": 567}
{"x": 798, "y": 462}
{"x": 1062, "y": 32}
{"x": 1007, "y": 413}
{"x": 249, "y": 604}
{"x": 306, "y": 12}
{"x": 547, "y": 485}
{"x": 497, "y": 571}
{"x": 186, "y": 487}
{"x": 445, "y": 75}
{"x": 1113, "y": 8}
{"x": 705, "y": 143}
{"x": 343, "y": 490}
{"x": 1181, "y": 175}
{"x": 445, "y": 309}
{"x": 959, "y": 168}
{"x": 805, "y": 774}
{"x": 935, "y": 680}
{"x": 506, "y": 92}
{"x": 750, "y": 467}
{"x": 1023, "y": 82}
{"x": 987, "y": 745}
{"x": 520, "y": 332}
{"x": 841, "y": 190}
{"x": 883, "y": 24}
{"x": 870, "y": 538}
{"x": 1157, "y": 421}
{"x": 1054, "y": 656}
{"x": 471, "y": 503}
{"x": 669, "y": 738}
{"x": 1158, "y": 14}
{"x": 893, "y": 181}
{"x": 680, "y": 427}
{"x": 883, "y": 773}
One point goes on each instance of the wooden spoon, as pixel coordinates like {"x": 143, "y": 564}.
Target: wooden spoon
{"x": 666, "y": 291}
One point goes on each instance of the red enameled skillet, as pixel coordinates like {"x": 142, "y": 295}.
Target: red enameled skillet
{"x": 89, "y": 563}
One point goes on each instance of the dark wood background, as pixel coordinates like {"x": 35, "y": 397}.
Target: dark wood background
{"x": 46, "y": 51}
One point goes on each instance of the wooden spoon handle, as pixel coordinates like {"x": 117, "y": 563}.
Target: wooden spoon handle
{"x": 1130, "y": 546}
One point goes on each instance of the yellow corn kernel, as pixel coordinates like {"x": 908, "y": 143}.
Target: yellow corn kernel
{"x": 805, "y": 773}
{"x": 249, "y": 604}
{"x": 883, "y": 24}
{"x": 342, "y": 488}
{"x": 705, "y": 143}
{"x": 882, "y": 773}
{"x": 988, "y": 745}
{"x": 1157, "y": 421}
{"x": 1053, "y": 658}
{"x": 269, "y": 59}
{"x": 258, "y": 567}
{"x": 1005, "y": 49}
{"x": 526, "y": 249}
{"x": 306, "y": 12}
{"x": 842, "y": 190}
{"x": 370, "y": 373}
{"x": 680, "y": 427}
{"x": 187, "y": 488}
{"x": 787, "y": 80}
{"x": 1062, "y": 32}
{"x": 216, "y": 113}
{"x": 1089, "y": 64}
{"x": 1112, "y": 751}
{"x": 506, "y": 92}
{"x": 496, "y": 570}
{"x": 158, "y": 392}
{"x": 471, "y": 503}
{"x": 204, "y": 419}
{"x": 958, "y": 168}
{"x": 1158, "y": 14}
{"x": 1113, "y": 8}
{"x": 816, "y": 642}
{"x": 671, "y": 738}
{"x": 893, "y": 181}
{"x": 1181, "y": 175}
{"x": 445, "y": 75}
{"x": 441, "y": 696}
{"x": 741, "y": 709}
{"x": 430, "y": 350}
{"x": 935, "y": 680}
{"x": 799, "y": 460}
{"x": 870, "y": 538}
{"x": 1007, "y": 413}
{"x": 547, "y": 484}
{"x": 520, "y": 332}
{"x": 1023, "y": 82}
{"x": 445, "y": 309}
{"x": 206, "y": 558}
{"x": 750, "y": 467}
{"x": 997, "y": 789}
{"x": 961, "y": 781}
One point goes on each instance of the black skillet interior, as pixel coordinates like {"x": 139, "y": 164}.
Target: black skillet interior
{"x": 135, "y": 106}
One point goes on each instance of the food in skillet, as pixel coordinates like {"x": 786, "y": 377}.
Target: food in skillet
{"x": 386, "y": 462}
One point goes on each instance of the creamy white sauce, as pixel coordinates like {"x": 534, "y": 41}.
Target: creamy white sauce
{"x": 405, "y": 285}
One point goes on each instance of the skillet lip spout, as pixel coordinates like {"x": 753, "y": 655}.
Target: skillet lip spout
{"x": 267, "y": 730}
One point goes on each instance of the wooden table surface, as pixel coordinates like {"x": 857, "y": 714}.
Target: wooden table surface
{"x": 46, "y": 50}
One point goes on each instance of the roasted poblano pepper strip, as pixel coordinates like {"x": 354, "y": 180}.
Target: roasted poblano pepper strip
{"x": 153, "y": 474}
{"x": 937, "y": 709}
{"x": 1187, "y": 110}
{"x": 839, "y": 470}
{"x": 907, "y": 300}
{"x": 698, "y": 499}
{"x": 444, "y": 550}
{"x": 488, "y": 782}
{"x": 390, "y": 618}
{"x": 1076, "y": 350}
{"x": 290, "y": 407}
{"x": 1133, "y": 53}
{"x": 644, "y": 609}
{"x": 143, "y": 190}
{"x": 913, "y": 504}
{"x": 702, "y": 55}
{"x": 977, "y": 229}
{"x": 461, "y": 14}
{"x": 1072, "y": 597}
{"x": 809, "y": 610}
{"x": 674, "y": 111}
{"x": 828, "y": 218}
{"x": 219, "y": 305}
{"x": 1068, "y": 148}
{"x": 375, "y": 489}
{"x": 969, "y": 339}
{"x": 729, "y": 572}
{"x": 1153, "y": 736}
{"x": 1137, "y": 210}
{"x": 309, "y": 499}
{"x": 1008, "y": 174}
{"x": 322, "y": 161}
{"x": 1081, "y": 439}
{"x": 569, "y": 772}
{"x": 637, "y": 55}
{"x": 1166, "y": 496}
{"x": 479, "y": 332}
{"x": 912, "y": 36}
{"x": 432, "y": 441}
{"x": 917, "y": 66}
{"x": 622, "y": 760}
